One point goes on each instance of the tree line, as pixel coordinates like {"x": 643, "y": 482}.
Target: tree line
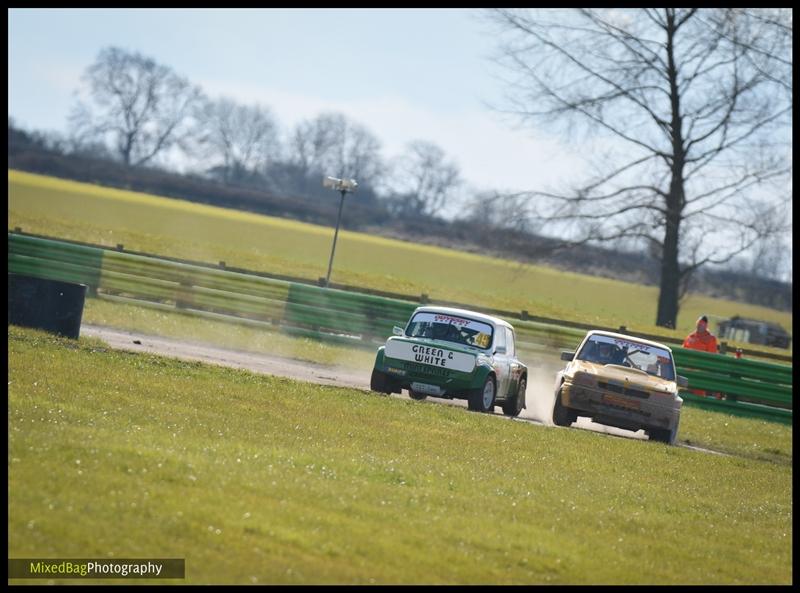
{"x": 139, "y": 112}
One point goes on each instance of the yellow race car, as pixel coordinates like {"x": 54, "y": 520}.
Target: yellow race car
{"x": 621, "y": 381}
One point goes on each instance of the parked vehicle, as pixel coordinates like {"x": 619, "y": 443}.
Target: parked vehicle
{"x": 453, "y": 353}
{"x": 621, "y": 381}
{"x": 754, "y": 331}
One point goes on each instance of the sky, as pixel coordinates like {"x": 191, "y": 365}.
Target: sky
{"x": 404, "y": 74}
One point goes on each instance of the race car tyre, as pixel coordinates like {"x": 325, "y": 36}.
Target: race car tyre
{"x": 562, "y": 415}
{"x": 513, "y": 405}
{"x": 482, "y": 400}
{"x": 378, "y": 382}
{"x": 417, "y": 395}
{"x": 664, "y": 435}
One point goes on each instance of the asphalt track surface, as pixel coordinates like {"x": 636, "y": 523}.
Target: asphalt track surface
{"x": 540, "y": 381}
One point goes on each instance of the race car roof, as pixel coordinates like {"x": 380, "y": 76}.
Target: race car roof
{"x": 496, "y": 321}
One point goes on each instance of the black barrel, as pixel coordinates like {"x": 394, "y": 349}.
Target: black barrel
{"x": 50, "y": 305}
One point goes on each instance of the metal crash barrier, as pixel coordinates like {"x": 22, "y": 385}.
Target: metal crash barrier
{"x": 738, "y": 386}
{"x": 750, "y": 387}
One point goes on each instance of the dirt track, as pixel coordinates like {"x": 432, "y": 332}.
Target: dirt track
{"x": 540, "y": 380}
{"x": 259, "y": 363}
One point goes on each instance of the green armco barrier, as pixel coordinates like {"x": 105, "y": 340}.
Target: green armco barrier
{"x": 777, "y": 395}
{"x": 345, "y": 312}
{"x": 221, "y": 300}
{"x": 53, "y": 270}
{"x": 332, "y": 321}
{"x": 138, "y": 286}
{"x": 194, "y": 275}
{"x": 256, "y": 283}
{"x": 737, "y": 408}
{"x": 56, "y": 260}
{"x": 551, "y": 335}
{"x": 137, "y": 265}
{"x": 745, "y": 367}
{"x": 751, "y": 387}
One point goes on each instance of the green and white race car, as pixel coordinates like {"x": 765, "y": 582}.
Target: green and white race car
{"x": 454, "y": 354}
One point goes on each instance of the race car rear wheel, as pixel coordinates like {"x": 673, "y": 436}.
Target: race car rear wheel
{"x": 482, "y": 399}
{"x": 513, "y": 405}
{"x": 562, "y": 415}
{"x": 417, "y": 395}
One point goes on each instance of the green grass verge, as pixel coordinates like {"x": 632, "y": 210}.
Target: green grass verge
{"x": 253, "y": 478}
{"x": 734, "y": 435}
{"x": 141, "y": 222}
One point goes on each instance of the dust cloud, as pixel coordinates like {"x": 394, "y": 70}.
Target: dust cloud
{"x": 540, "y": 393}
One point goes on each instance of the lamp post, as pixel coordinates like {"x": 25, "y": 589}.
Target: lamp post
{"x": 342, "y": 186}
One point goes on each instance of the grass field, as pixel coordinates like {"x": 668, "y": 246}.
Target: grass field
{"x": 255, "y": 479}
{"x": 178, "y": 228}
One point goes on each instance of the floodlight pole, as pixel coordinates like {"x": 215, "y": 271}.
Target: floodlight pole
{"x": 335, "y": 235}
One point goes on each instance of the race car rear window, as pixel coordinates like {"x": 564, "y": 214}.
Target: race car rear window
{"x": 450, "y": 328}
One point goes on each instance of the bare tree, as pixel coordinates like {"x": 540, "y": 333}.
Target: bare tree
{"x": 494, "y": 209}
{"x": 772, "y": 257}
{"x": 330, "y": 144}
{"x": 244, "y": 138}
{"x": 692, "y": 109}
{"x": 143, "y": 108}
{"x": 423, "y": 180}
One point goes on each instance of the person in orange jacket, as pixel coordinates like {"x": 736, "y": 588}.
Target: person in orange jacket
{"x": 704, "y": 340}
{"x": 701, "y": 338}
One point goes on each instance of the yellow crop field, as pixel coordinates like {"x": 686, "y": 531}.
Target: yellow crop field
{"x": 141, "y": 222}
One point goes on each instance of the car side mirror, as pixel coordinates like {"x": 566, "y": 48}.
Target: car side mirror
{"x": 567, "y": 355}
{"x": 683, "y": 381}
{"x": 398, "y": 331}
